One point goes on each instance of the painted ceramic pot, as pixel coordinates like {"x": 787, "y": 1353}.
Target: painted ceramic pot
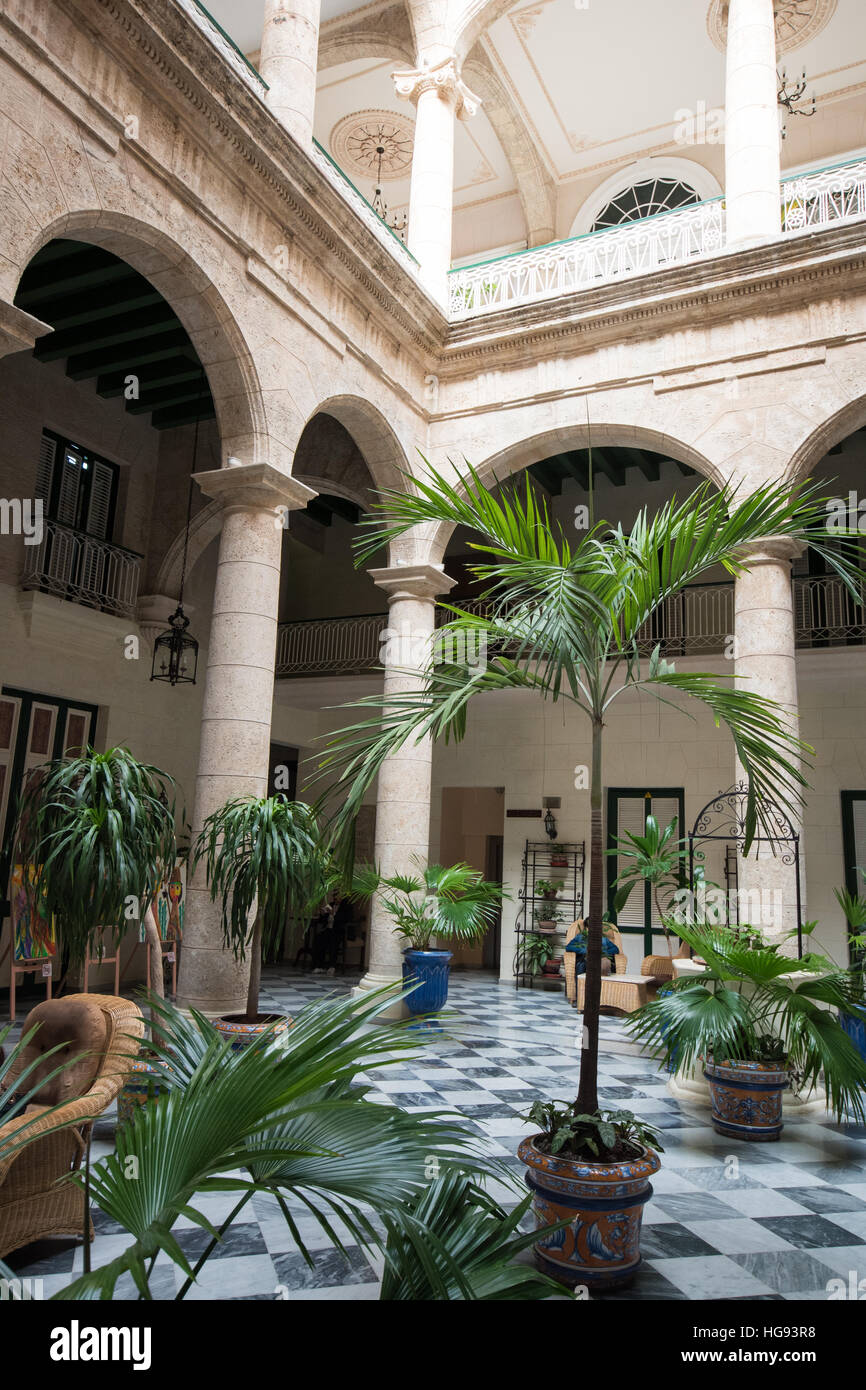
{"x": 603, "y": 1204}
{"x": 240, "y": 1034}
{"x": 431, "y": 969}
{"x": 855, "y": 1027}
{"x": 141, "y": 1085}
{"x": 746, "y": 1098}
{"x": 551, "y": 966}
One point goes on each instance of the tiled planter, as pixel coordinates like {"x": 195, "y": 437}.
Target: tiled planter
{"x": 240, "y": 1033}
{"x": 431, "y": 969}
{"x": 603, "y": 1203}
{"x": 142, "y": 1084}
{"x": 746, "y": 1098}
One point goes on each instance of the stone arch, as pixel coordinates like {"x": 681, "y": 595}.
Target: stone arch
{"x": 193, "y": 296}
{"x": 687, "y": 171}
{"x": 477, "y": 17}
{"x": 826, "y": 436}
{"x": 375, "y": 437}
{"x": 204, "y": 527}
{"x": 522, "y": 453}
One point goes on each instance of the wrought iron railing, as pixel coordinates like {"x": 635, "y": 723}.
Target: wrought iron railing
{"x": 78, "y": 567}
{"x": 824, "y": 197}
{"x": 699, "y": 621}
{"x": 580, "y": 262}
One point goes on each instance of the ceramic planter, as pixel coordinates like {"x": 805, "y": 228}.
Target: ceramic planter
{"x": 855, "y": 1027}
{"x": 142, "y": 1084}
{"x": 603, "y": 1203}
{"x": 431, "y": 969}
{"x": 552, "y": 966}
{"x": 746, "y": 1098}
{"x": 240, "y": 1034}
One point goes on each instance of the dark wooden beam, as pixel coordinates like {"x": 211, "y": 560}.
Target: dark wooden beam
{"x": 174, "y": 415}
{"x": 547, "y": 476}
{"x": 170, "y": 372}
{"x": 649, "y": 464}
{"x": 90, "y": 307}
{"x": 606, "y": 464}
{"x": 159, "y": 346}
{"x": 170, "y": 395}
{"x": 111, "y": 331}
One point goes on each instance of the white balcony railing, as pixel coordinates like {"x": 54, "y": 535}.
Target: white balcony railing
{"x": 594, "y": 259}
{"x": 205, "y": 21}
{"x": 698, "y": 622}
{"x": 74, "y": 566}
{"x": 824, "y": 197}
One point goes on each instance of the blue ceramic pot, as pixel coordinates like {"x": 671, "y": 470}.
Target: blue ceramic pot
{"x": 746, "y": 1098}
{"x": 431, "y": 968}
{"x": 855, "y": 1027}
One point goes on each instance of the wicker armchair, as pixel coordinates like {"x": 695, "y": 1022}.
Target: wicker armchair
{"x": 102, "y": 1034}
{"x": 619, "y": 964}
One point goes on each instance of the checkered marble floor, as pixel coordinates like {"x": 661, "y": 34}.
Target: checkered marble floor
{"x": 727, "y": 1220}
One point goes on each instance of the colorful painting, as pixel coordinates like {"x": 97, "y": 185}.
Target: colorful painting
{"x": 34, "y": 935}
{"x": 169, "y": 905}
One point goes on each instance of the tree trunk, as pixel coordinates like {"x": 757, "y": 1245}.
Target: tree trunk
{"x": 587, "y": 1096}
{"x": 255, "y": 971}
{"x": 154, "y": 941}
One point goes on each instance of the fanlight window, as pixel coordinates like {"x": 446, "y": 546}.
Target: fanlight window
{"x": 645, "y": 200}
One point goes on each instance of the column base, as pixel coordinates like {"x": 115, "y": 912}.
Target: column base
{"x": 373, "y": 981}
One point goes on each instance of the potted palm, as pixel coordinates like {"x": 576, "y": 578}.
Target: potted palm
{"x": 566, "y": 620}
{"x": 455, "y": 904}
{"x": 265, "y": 861}
{"x": 853, "y": 906}
{"x": 98, "y": 830}
{"x": 758, "y": 1019}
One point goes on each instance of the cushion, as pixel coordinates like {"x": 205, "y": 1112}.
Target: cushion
{"x": 79, "y": 1025}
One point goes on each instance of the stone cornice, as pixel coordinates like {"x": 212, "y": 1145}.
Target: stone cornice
{"x": 678, "y": 297}
{"x": 254, "y": 487}
{"x": 412, "y": 581}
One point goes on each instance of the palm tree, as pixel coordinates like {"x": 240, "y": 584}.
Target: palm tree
{"x": 452, "y": 904}
{"x": 264, "y": 852}
{"x": 97, "y": 832}
{"x": 565, "y": 620}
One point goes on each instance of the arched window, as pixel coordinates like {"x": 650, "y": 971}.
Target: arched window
{"x": 645, "y": 199}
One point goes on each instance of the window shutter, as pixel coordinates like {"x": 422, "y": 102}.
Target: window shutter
{"x": 664, "y": 808}
{"x": 99, "y": 504}
{"x": 858, "y": 821}
{"x": 70, "y": 487}
{"x": 45, "y": 468}
{"x": 631, "y": 814}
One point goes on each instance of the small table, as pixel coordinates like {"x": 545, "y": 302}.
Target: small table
{"x": 625, "y": 992}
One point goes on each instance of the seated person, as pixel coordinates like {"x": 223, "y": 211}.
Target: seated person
{"x": 577, "y": 945}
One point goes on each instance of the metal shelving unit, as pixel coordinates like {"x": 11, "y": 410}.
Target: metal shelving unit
{"x": 537, "y": 866}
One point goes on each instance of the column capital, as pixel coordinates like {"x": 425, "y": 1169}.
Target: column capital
{"x": 442, "y": 77}
{"x": 254, "y": 487}
{"x": 412, "y": 581}
{"x": 18, "y": 329}
{"x": 771, "y": 550}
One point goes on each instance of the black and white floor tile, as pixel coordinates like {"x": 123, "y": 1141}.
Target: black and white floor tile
{"x": 727, "y": 1220}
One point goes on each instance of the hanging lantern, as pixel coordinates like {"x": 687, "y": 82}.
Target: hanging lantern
{"x": 550, "y": 824}
{"x": 175, "y": 653}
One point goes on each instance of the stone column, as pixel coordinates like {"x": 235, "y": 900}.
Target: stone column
{"x": 765, "y": 656}
{"x": 238, "y": 697}
{"x": 288, "y": 63}
{"x": 403, "y": 793}
{"x": 438, "y": 94}
{"x": 752, "y": 161}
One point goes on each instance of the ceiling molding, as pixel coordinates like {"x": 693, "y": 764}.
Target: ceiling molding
{"x": 797, "y": 21}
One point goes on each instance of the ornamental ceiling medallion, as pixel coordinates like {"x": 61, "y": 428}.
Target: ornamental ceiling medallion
{"x": 357, "y": 140}
{"x": 797, "y": 21}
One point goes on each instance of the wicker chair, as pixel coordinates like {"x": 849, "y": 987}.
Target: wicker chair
{"x": 620, "y": 991}
{"x": 108, "y": 1031}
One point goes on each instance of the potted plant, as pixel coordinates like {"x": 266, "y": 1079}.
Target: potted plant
{"x": 853, "y": 906}
{"x": 262, "y": 853}
{"x": 565, "y": 620}
{"x": 656, "y": 858}
{"x": 549, "y": 889}
{"x": 535, "y": 953}
{"x": 546, "y": 919}
{"x": 98, "y": 831}
{"x": 590, "y": 1178}
{"x": 758, "y": 1019}
{"x": 558, "y": 857}
{"x": 444, "y": 904}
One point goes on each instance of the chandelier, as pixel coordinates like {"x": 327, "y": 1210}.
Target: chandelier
{"x": 790, "y": 98}
{"x": 397, "y": 224}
